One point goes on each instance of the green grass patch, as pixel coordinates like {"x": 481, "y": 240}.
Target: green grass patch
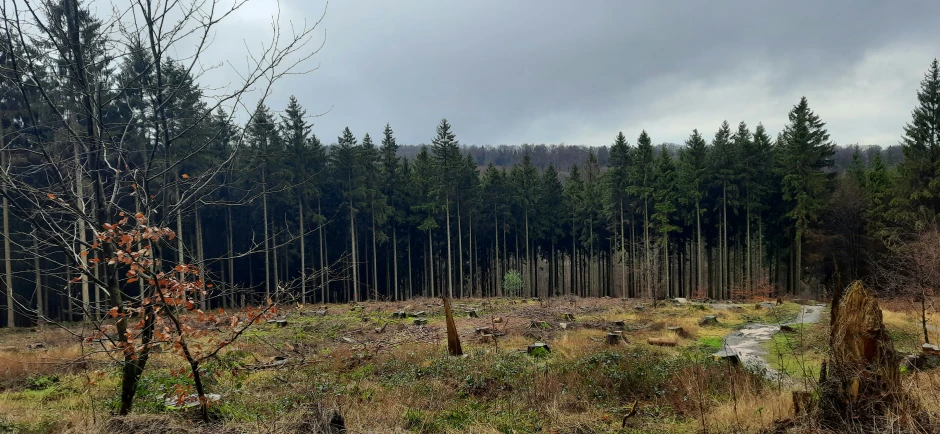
{"x": 794, "y": 355}
{"x": 711, "y": 343}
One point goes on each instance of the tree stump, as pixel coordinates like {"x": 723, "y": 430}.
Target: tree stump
{"x": 613, "y": 338}
{"x": 661, "y": 342}
{"x": 863, "y": 384}
{"x": 709, "y": 320}
{"x": 679, "y": 331}
{"x": 420, "y": 321}
{"x": 802, "y": 402}
{"x": 542, "y": 325}
{"x": 472, "y": 313}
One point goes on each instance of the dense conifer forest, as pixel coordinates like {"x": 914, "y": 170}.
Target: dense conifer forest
{"x": 274, "y": 204}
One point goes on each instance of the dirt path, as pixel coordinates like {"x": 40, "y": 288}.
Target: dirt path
{"x": 746, "y": 342}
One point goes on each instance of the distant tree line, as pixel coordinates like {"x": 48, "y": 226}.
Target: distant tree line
{"x": 268, "y": 207}
{"x": 564, "y": 156}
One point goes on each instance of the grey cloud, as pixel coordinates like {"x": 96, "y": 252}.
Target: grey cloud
{"x": 578, "y": 72}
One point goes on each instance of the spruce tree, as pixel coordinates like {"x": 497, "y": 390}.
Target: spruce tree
{"x": 641, "y": 186}
{"x": 665, "y": 194}
{"x": 918, "y": 199}
{"x": 525, "y": 178}
{"x": 694, "y": 176}
{"x": 804, "y": 153}
{"x": 446, "y": 152}
{"x": 348, "y": 172}
{"x": 618, "y": 181}
{"x": 392, "y": 178}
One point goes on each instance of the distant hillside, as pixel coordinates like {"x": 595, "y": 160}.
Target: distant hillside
{"x": 564, "y": 156}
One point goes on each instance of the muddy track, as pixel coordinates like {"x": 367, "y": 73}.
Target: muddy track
{"x": 745, "y": 343}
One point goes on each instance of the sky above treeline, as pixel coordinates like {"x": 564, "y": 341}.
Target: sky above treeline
{"x": 513, "y": 72}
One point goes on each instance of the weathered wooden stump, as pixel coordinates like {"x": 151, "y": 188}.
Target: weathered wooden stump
{"x": 679, "y": 331}
{"x": 863, "y": 383}
{"x": 542, "y": 325}
{"x": 709, "y": 320}
{"x": 420, "y": 321}
{"x": 472, "y": 313}
{"x": 612, "y": 339}
{"x": 278, "y": 322}
{"x": 620, "y": 324}
{"x": 661, "y": 342}
{"x": 802, "y": 402}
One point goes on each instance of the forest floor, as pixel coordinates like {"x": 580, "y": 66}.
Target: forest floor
{"x": 385, "y": 374}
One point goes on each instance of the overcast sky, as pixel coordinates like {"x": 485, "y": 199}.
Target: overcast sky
{"x": 577, "y": 72}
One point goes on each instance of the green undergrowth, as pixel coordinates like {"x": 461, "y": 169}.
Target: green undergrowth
{"x": 798, "y": 353}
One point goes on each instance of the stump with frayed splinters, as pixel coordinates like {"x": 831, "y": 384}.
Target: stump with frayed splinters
{"x": 453, "y": 341}
{"x": 863, "y": 383}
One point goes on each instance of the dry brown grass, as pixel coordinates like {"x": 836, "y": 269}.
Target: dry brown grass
{"x": 560, "y": 393}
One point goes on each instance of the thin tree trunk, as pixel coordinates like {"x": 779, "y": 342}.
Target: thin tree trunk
{"x": 231, "y": 255}
{"x": 431, "y": 260}
{"x": 748, "y": 272}
{"x": 459, "y": 251}
{"x": 275, "y": 270}
{"x": 410, "y": 281}
{"x": 700, "y": 255}
{"x": 303, "y": 253}
{"x": 528, "y": 258}
{"x": 450, "y": 263}
{"x": 395, "y": 262}
{"x": 267, "y": 238}
{"x": 375, "y": 258}
{"x": 497, "y": 274}
{"x": 38, "y": 277}
{"x": 200, "y": 255}
{"x": 646, "y": 242}
{"x": 324, "y": 269}
{"x": 354, "y": 258}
